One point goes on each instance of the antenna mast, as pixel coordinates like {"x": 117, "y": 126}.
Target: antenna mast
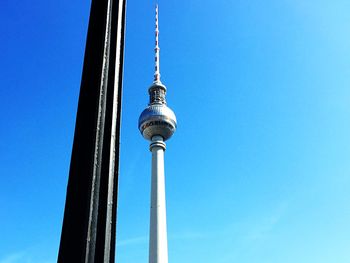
{"x": 156, "y": 50}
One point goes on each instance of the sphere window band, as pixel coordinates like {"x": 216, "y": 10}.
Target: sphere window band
{"x": 162, "y": 123}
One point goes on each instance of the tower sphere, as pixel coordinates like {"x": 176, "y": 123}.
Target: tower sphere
{"x": 157, "y": 119}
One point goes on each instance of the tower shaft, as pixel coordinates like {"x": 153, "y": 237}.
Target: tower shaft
{"x": 158, "y": 243}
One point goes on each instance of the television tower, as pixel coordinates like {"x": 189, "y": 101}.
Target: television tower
{"x": 157, "y": 123}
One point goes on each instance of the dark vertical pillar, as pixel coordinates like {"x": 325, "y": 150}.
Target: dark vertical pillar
{"x": 89, "y": 224}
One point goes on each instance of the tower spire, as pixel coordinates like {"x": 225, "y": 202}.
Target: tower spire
{"x": 156, "y": 50}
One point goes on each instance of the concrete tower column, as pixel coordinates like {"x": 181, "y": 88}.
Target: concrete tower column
{"x": 158, "y": 243}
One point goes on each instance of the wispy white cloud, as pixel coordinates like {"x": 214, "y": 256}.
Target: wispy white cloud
{"x": 132, "y": 241}
{"x": 239, "y": 238}
{"x": 24, "y": 256}
{"x": 13, "y": 257}
{"x": 141, "y": 240}
{"x": 187, "y": 235}
{"x": 266, "y": 224}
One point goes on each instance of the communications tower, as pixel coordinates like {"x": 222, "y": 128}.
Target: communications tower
{"x": 157, "y": 123}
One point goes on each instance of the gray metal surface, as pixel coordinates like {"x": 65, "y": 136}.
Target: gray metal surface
{"x": 157, "y": 119}
{"x": 89, "y": 223}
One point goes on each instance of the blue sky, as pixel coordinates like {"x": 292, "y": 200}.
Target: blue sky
{"x": 259, "y": 168}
